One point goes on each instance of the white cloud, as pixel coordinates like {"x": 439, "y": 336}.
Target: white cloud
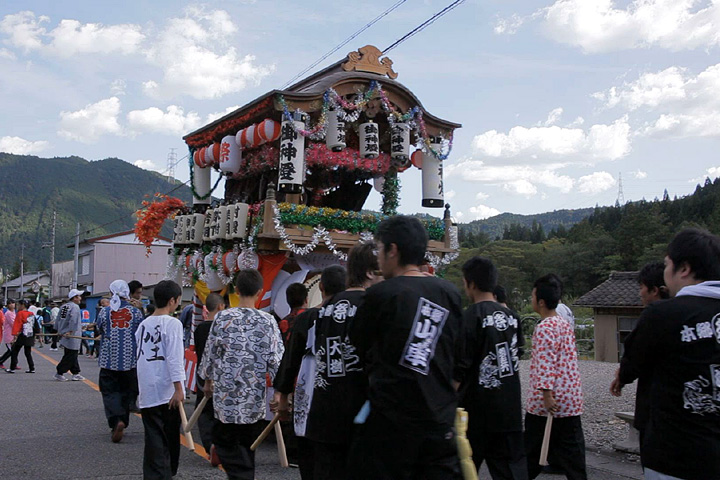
{"x": 688, "y": 105}
{"x": 481, "y": 212}
{"x": 90, "y": 123}
{"x": 5, "y": 53}
{"x": 639, "y": 174}
{"x": 147, "y": 165}
{"x": 195, "y": 59}
{"x": 20, "y": 146}
{"x": 577, "y": 122}
{"x": 458, "y": 215}
{"x": 481, "y": 196}
{"x": 70, "y": 37}
{"x": 450, "y": 194}
{"x": 520, "y": 187}
{"x": 600, "y": 26}
{"x": 554, "y": 116}
{"x": 211, "y": 117}
{"x": 595, "y": 183}
{"x": 599, "y": 141}
{"x": 118, "y": 86}
{"x": 712, "y": 173}
{"x": 478, "y": 171}
{"x": 171, "y": 122}
{"x": 510, "y": 25}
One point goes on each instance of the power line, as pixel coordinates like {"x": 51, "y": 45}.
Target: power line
{"x": 345, "y": 42}
{"x": 423, "y": 25}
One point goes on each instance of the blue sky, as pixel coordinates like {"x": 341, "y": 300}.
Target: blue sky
{"x": 556, "y": 97}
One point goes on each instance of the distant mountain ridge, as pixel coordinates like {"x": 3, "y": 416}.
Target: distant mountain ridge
{"x": 102, "y": 195}
{"x": 494, "y": 226}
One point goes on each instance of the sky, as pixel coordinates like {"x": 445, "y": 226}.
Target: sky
{"x": 558, "y": 99}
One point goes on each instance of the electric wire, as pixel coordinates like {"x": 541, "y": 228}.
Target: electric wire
{"x": 423, "y": 25}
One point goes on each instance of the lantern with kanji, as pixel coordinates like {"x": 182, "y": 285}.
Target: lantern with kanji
{"x": 369, "y": 136}
{"x": 335, "y": 136}
{"x": 239, "y": 221}
{"x": 207, "y": 225}
{"x": 219, "y": 216}
{"x": 230, "y": 155}
{"x": 196, "y": 230}
{"x": 179, "y": 229}
{"x": 291, "y": 170}
{"x": 432, "y": 176}
{"x": 226, "y": 232}
{"x": 400, "y": 145}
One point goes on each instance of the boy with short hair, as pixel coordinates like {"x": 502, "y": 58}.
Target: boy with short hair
{"x": 161, "y": 381}
{"x": 555, "y": 386}
{"x": 490, "y": 392}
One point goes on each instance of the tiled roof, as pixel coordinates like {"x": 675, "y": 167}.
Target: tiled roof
{"x": 620, "y": 290}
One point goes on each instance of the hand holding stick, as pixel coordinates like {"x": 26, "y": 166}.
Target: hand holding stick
{"x": 265, "y": 432}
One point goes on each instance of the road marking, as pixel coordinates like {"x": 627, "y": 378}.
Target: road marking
{"x": 199, "y": 450}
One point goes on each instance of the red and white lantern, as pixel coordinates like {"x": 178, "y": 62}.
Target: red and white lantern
{"x": 269, "y": 130}
{"x": 230, "y": 155}
{"x": 417, "y": 159}
{"x": 209, "y": 158}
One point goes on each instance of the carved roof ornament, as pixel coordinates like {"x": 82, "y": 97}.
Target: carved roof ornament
{"x": 367, "y": 59}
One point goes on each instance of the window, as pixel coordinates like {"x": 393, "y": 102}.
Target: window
{"x": 84, "y": 265}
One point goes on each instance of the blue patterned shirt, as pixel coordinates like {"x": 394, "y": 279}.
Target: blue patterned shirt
{"x": 117, "y": 348}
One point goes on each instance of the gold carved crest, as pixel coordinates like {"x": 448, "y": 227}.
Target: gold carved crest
{"x": 367, "y": 59}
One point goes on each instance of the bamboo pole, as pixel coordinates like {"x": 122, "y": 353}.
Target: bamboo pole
{"x": 265, "y": 432}
{"x": 546, "y": 440}
{"x": 196, "y": 414}
{"x": 184, "y": 422}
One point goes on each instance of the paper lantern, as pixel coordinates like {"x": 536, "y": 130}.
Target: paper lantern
{"x": 207, "y": 225}
{"x": 179, "y": 229}
{"x": 229, "y": 262}
{"x": 269, "y": 130}
{"x": 335, "y": 136}
{"x": 226, "y": 232}
{"x": 240, "y": 139}
{"x": 196, "y": 230}
{"x": 369, "y": 136}
{"x": 201, "y": 181}
{"x": 291, "y": 171}
{"x": 257, "y": 139}
{"x": 250, "y": 137}
{"x": 215, "y": 151}
{"x": 209, "y": 158}
{"x": 202, "y": 162}
{"x": 400, "y": 143}
{"x": 416, "y": 158}
{"x": 187, "y": 229}
{"x": 219, "y": 222}
{"x": 230, "y": 155}
{"x": 239, "y": 222}
{"x": 432, "y": 177}
{"x": 213, "y": 281}
{"x": 196, "y": 157}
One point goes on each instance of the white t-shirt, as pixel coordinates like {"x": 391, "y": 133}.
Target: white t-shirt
{"x": 160, "y": 359}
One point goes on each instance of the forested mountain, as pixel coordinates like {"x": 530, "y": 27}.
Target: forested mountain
{"x": 101, "y": 195}
{"x": 622, "y": 238}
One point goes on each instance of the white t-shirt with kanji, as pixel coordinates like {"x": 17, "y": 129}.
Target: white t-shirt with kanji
{"x": 160, "y": 359}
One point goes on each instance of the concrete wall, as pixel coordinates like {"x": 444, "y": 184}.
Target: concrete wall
{"x": 606, "y": 344}
{"x": 128, "y": 262}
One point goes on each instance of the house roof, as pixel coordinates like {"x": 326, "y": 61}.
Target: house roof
{"x": 28, "y": 279}
{"x": 116, "y": 235}
{"x": 619, "y": 290}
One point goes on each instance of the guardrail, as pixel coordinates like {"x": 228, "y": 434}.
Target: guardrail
{"x": 584, "y": 335}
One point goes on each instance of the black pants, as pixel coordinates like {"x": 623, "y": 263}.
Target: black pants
{"x": 504, "y": 453}
{"x": 7, "y": 353}
{"x": 331, "y": 461}
{"x": 20, "y": 344}
{"x": 232, "y": 443}
{"x": 388, "y": 450}
{"x": 306, "y": 457}
{"x": 567, "y": 445}
{"x": 161, "y": 456}
{"x": 54, "y": 338}
{"x": 118, "y": 390}
{"x": 69, "y": 361}
{"x": 207, "y": 419}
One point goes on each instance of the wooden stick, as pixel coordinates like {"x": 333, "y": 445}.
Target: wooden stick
{"x": 265, "y": 432}
{"x": 281, "y": 446}
{"x": 196, "y": 414}
{"x": 184, "y": 422}
{"x": 69, "y": 336}
{"x": 546, "y": 440}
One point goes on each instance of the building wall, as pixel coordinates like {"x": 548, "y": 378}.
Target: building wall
{"x": 62, "y": 277}
{"x": 128, "y": 262}
{"x": 88, "y": 279}
{"x": 606, "y": 342}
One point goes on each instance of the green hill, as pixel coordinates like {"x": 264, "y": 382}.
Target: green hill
{"x": 101, "y": 195}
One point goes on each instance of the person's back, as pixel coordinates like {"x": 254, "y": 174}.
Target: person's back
{"x": 117, "y": 350}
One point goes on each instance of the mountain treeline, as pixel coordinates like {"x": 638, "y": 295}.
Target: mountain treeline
{"x": 620, "y": 238}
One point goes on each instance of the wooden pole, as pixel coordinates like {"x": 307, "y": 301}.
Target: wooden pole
{"x": 265, "y": 432}
{"x": 281, "y": 446}
{"x": 546, "y": 440}
{"x": 184, "y": 422}
{"x": 196, "y": 414}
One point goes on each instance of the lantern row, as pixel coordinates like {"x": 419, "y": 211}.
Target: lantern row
{"x": 224, "y": 222}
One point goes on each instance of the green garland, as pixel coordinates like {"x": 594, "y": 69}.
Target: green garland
{"x": 391, "y": 193}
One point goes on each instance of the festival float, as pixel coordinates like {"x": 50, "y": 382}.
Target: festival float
{"x": 299, "y": 165}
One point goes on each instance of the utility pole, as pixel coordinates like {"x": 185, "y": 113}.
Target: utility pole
{"x": 22, "y": 270}
{"x": 77, "y": 251}
{"x": 52, "y": 252}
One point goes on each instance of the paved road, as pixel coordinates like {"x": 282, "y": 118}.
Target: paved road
{"x": 54, "y": 430}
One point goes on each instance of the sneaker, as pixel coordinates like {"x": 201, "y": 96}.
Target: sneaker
{"x": 18, "y": 367}
{"x": 60, "y": 378}
{"x": 29, "y": 371}
{"x": 117, "y": 433}
{"x": 10, "y": 371}
{"x": 77, "y": 378}
{"x": 53, "y": 349}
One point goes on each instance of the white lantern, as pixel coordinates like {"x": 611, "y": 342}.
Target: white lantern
{"x": 178, "y": 229}
{"x": 291, "y": 171}
{"x": 239, "y": 222}
{"x": 207, "y": 225}
{"x": 369, "y": 136}
{"x": 400, "y": 144}
{"x": 201, "y": 181}
{"x": 215, "y": 223}
{"x": 187, "y": 229}
{"x": 219, "y": 222}
{"x": 226, "y": 232}
{"x": 432, "y": 177}
{"x": 335, "y": 136}
{"x": 230, "y": 155}
{"x": 195, "y": 233}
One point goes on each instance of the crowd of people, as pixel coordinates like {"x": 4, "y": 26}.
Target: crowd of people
{"x": 371, "y": 378}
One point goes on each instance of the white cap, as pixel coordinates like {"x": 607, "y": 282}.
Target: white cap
{"x": 75, "y": 292}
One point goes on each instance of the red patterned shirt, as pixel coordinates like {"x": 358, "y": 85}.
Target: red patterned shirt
{"x": 554, "y": 366}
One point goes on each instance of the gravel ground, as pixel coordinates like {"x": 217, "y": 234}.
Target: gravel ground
{"x": 602, "y": 428}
